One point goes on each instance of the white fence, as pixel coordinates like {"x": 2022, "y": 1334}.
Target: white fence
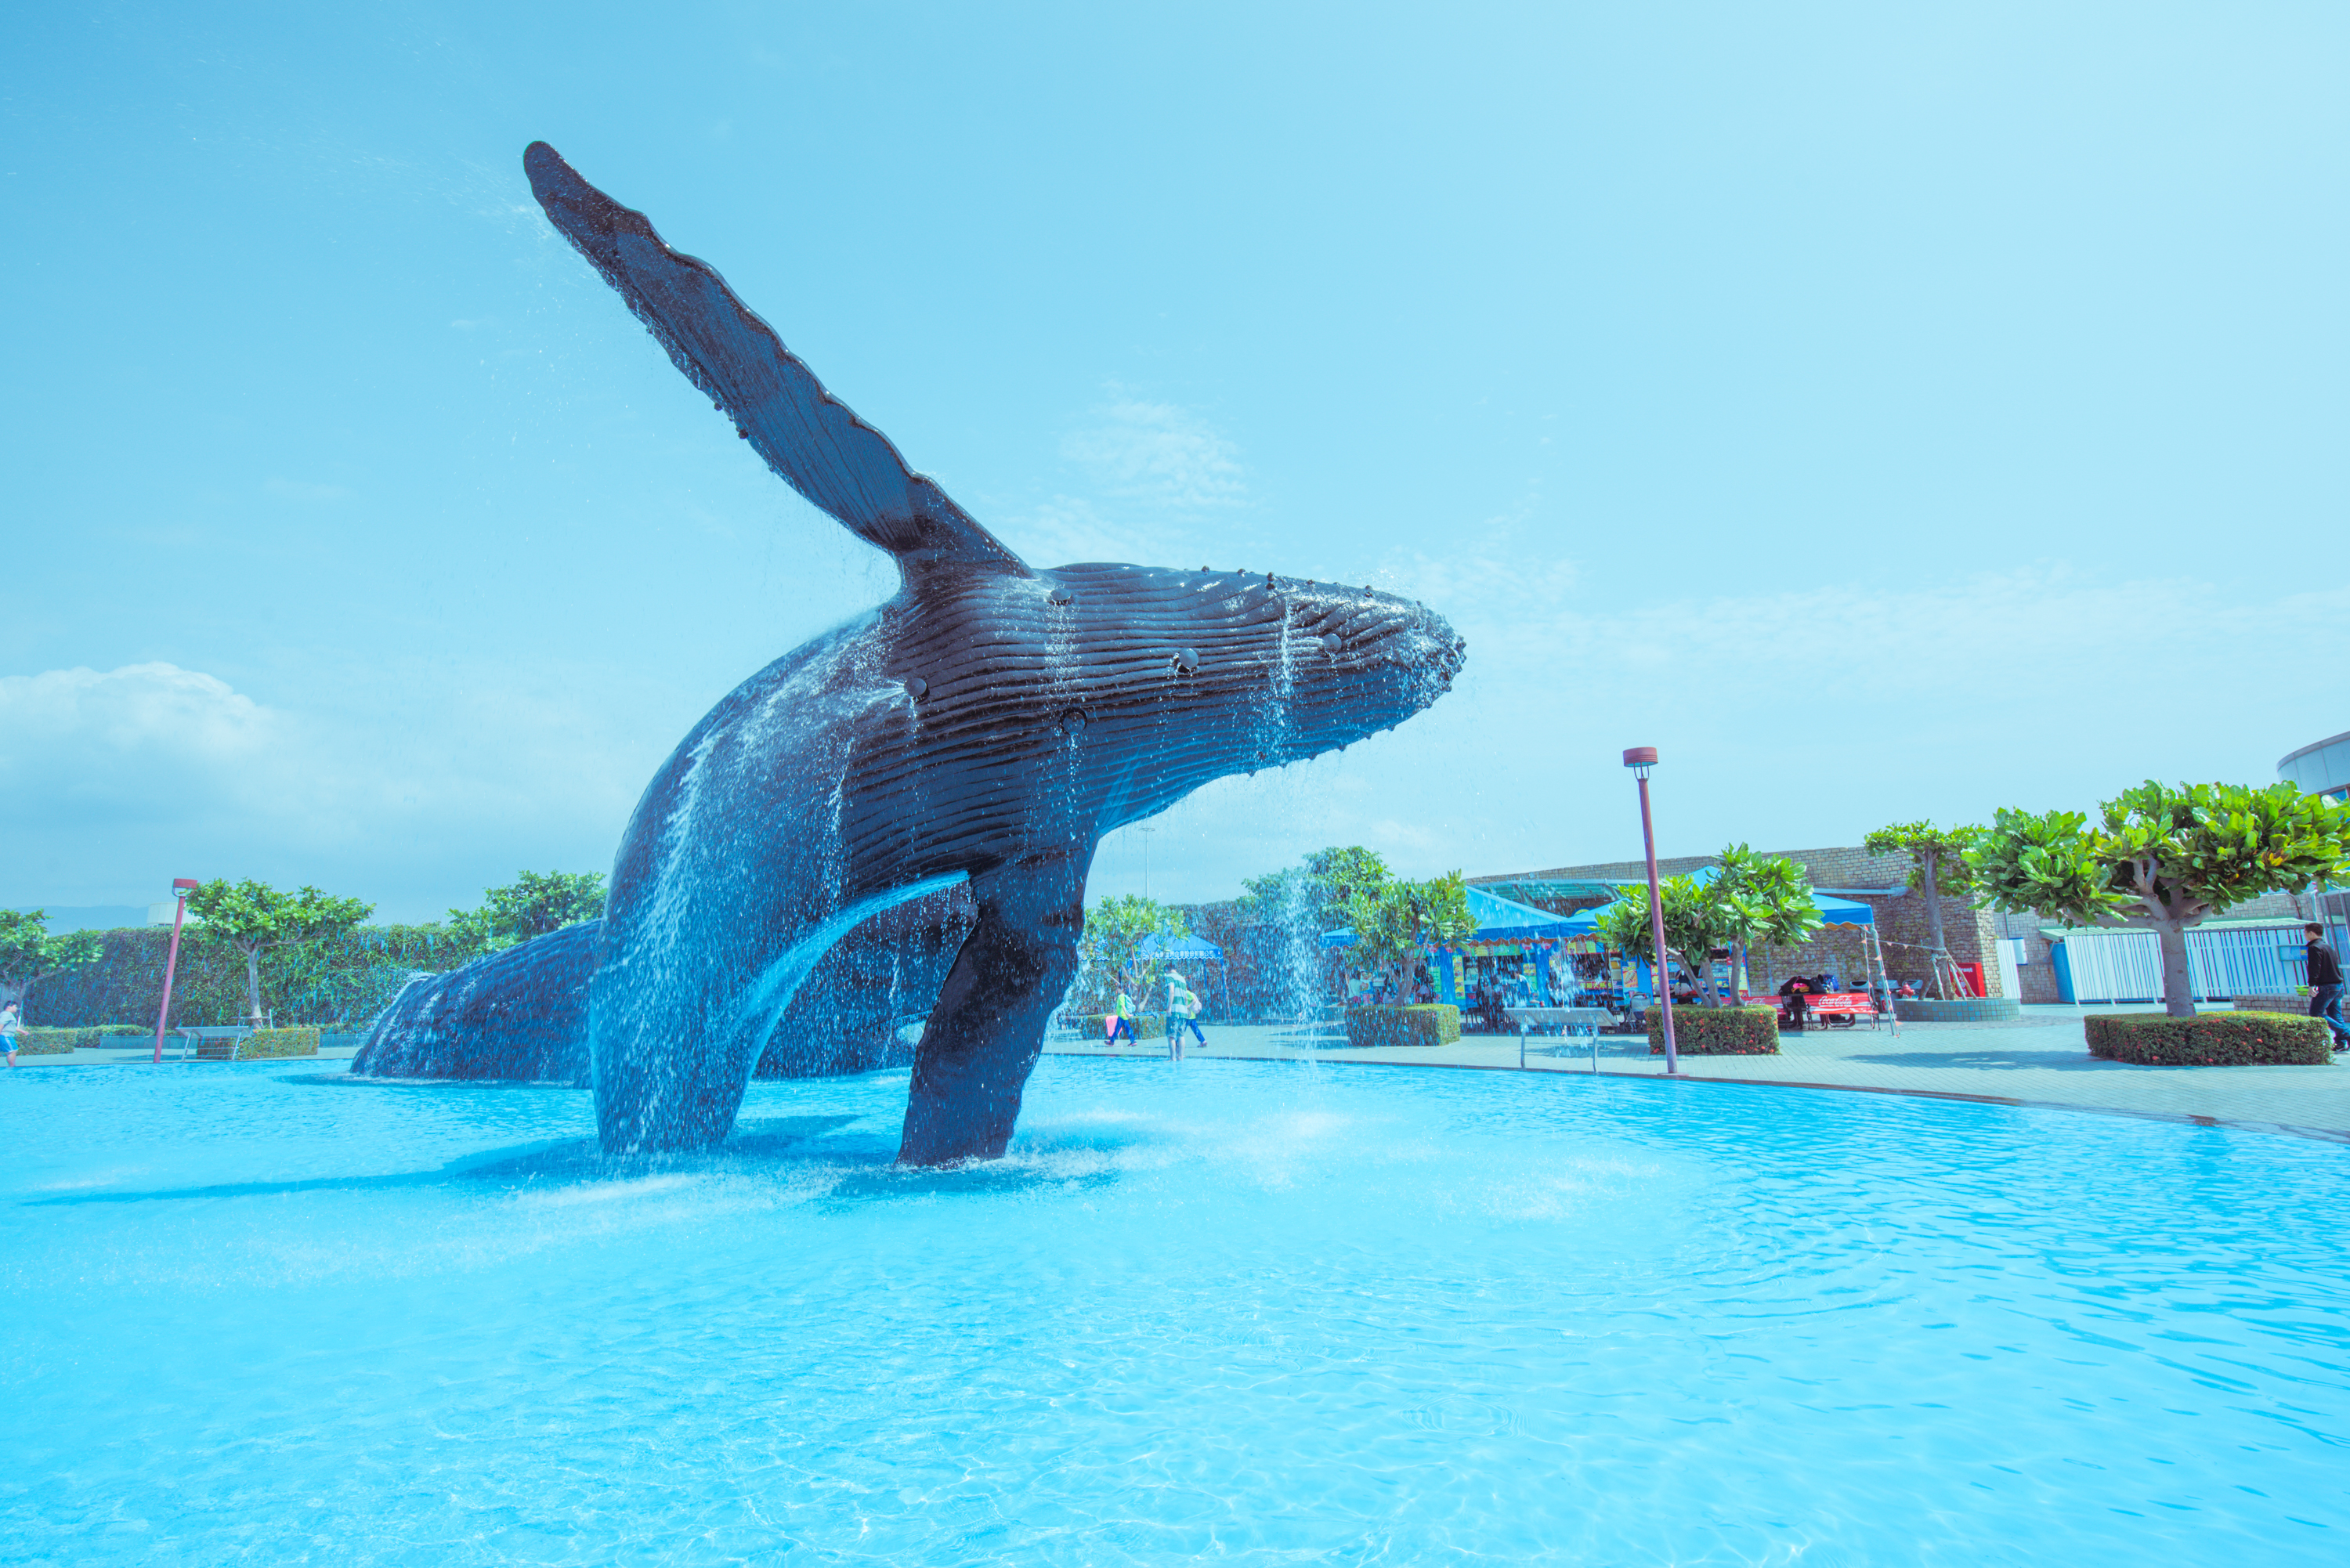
{"x": 2127, "y": 966}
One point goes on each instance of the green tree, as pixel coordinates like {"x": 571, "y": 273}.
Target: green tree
{"x": 1937, "y": 865}
{"x": 2162, "y": 860}
{"x": 1765, "y": 899}
{"x": 1393, "y": 920}
{"x": 1695, "y": 924}
{"x": 253, "y": 917}
{"x": 535, "y": 903}
{"x": 1110, "y": 950}
{"x": 1312, "y": 896}
{"x": 28, "y": 952}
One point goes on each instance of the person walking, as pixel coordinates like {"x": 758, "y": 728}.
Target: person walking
{"x": 1121, "y": 1022}
{"x": 9, "y": 1024}
{"x": 2325, "y": 985}
{"x": 1182, "y": 1013}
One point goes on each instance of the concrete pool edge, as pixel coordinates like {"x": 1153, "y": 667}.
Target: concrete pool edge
{"x": 2185, "y": 1119}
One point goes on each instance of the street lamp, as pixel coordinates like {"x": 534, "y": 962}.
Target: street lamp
{"x": 1641, "y": 759}
{"x": 180, "y": 887}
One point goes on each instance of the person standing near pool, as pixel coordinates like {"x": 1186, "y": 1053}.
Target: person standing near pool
{"x": 1121, "y": 1022}
{"x": 2325, "y": 985}
{"x": 1182, "y": 1013}
{"x": 9, "y": 1023}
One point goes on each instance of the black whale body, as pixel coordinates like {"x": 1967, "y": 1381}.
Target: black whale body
{"x": 917, "y": 792}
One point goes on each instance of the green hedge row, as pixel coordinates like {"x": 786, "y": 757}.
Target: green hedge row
{"x": 1420, "y": 1023}
{"x": 1717, "y": 1031}
{"x": 346, "y": 981}
{"x": 2211, "y": 1039}
{"x": 47, "y": 1041}
{"x": 264, "y": 1043}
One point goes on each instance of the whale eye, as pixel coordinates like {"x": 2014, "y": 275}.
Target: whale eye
{"x": 1189, "y": 659}
{"x": 916, "y": 686}
{"x": 1072, "y": 723}
{"x": 1330, "y": 642}
{"x": 1060, "y": 597}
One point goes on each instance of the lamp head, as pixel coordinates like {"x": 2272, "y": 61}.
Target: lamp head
{"x": 184, "y": 885}
{"x": 1641, "y": 759}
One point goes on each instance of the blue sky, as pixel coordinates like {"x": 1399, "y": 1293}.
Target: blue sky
{"x": 1887, "y": 411}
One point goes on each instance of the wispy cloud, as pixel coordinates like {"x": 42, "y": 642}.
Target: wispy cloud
{"x": 1159, "y": 455}
{"x": 112, "y": 782}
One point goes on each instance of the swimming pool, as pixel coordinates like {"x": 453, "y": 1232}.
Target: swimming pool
{"x": 1267, "y": 1312}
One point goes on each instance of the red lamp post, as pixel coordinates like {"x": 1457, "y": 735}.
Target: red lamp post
{"x": 180, "y": 887}
{"x": 1641, "y": 759}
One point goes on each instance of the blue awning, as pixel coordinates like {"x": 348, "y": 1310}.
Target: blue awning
{"x": 1499, "y": 919}
{"x": 1835, "y": 911}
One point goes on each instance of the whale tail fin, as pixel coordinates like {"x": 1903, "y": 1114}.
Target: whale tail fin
{"x": 805, "y": 434}
{"x": 519, "y": 1013}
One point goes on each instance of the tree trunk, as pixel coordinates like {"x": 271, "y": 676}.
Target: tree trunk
{"x": 1939, "y": 960}
{"x": 252, "y": 982}
{"x": 2177, "y": 981}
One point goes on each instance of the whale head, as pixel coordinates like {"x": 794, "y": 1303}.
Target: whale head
{"x": 1105, "y": 693}
{"x": 1192, "y": 675}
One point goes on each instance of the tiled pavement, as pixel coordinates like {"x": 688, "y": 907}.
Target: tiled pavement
{"x": 2044, "y": 1061}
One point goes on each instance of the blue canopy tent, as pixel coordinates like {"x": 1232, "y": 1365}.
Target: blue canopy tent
{"x": 1188, "y": 950}
{"x": 1835, "y": 911}
{"x": 1498, "y": 920}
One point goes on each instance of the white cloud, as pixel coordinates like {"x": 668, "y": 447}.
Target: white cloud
{"x": 1159, "y": 455}
{"x": 142, "y": 714}
{"x": 1067, "y": 528}
{"x": 399, "y": 784}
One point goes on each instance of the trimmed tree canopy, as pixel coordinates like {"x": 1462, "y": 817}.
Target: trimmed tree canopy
{"x": 1751, "y": 898}
{"x": 251, "y": 916}
{"x": 536, "y": 902}
{"x": 1937, "y": 865}
{"x": 1110, "y": 950}
{"x": 2163, "y": 858}
{"x": 1393, "y": 920}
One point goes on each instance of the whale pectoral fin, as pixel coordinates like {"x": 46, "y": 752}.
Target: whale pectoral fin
{"x": 805, "y": 434}
{"x": 983, "y": 1037}
{"x": 845, "y": 1016}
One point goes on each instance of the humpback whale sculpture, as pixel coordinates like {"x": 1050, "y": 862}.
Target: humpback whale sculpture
{"x": 965, "y": 744}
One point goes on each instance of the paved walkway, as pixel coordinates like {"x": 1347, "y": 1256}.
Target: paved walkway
{"x": 2044, "y": 1061}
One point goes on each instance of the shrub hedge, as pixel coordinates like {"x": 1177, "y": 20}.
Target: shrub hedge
{"x": 1147, "y": 1026}
{"x": 348, "y": 979}
{"x": 2211, "y": 1039}
{"x": 47, "y": 1041}
{"x": 302, "y": 1039}
{"x": 1717, "y": 1031}
{"x": 1418, "y": 1024}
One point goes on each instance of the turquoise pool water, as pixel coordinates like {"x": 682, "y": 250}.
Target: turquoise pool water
{"x": 1263, "y": 1313}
